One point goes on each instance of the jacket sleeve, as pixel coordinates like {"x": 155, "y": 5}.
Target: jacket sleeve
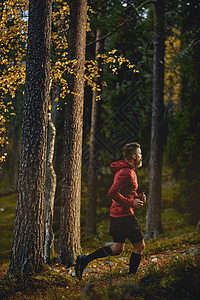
{"x": 115, "y": 190}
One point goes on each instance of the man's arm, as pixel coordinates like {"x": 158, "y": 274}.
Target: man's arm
{"x": 119, "y": 183}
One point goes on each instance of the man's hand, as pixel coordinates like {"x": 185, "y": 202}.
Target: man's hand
{"x": 144, "y": 198}
{"x": 137, "y": 203}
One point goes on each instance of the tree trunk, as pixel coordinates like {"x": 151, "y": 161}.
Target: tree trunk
{"x": 153, "y": 224}
{"x": 50, "y": 194}
{"x": 50, "y": 183}
{"x": 28, "y": 239}
{"x": 94, "y": 149}
{"x": 69, "y": 242}
{"x": 16, "y": 142}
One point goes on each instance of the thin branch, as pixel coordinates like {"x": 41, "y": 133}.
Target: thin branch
{"x": 145, "y": 3}
{"x": 108, "y": 34}
{"x": 123, "y": 23}
{"x": 141, "y": 5}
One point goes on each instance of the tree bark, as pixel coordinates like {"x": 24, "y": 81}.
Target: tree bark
{"x": 69, "y": 242}
{"x": 153, "y": 223}
{"x": 28, "y": 238}
{"x": 94, "y": 151}
{"x": 50, "y": 194}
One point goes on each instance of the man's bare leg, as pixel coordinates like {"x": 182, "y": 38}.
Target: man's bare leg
{"x": 117, "y": 248}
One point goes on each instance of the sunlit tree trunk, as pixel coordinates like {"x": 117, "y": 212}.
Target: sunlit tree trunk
{"x": 153, "y": 224}
{"x": 50, "y": 183}
{"x": 69, "y": 242}
{"x": 50, "y": 194}
{"x": 28, "y": 238}
{"x": 94, "y": 151}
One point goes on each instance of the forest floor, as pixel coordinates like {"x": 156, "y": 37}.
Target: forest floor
{"x": 169, "y": 268}
{"x": 169, "y": 274}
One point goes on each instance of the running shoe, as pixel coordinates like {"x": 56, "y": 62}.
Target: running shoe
{"x": 80, "y": 266}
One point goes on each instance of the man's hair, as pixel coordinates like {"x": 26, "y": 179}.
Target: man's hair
{"x": 130, "y": 149}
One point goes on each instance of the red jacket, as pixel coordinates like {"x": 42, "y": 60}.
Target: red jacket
{"x": 123, "y": 190}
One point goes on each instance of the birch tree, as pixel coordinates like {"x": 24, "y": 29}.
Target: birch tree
{"x": 50, "y": 193}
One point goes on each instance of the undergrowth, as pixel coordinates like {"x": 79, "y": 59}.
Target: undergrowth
{"x": 179, "y": 279}
{"x": 176, "y": 278}
{"x": 33, "y": 287}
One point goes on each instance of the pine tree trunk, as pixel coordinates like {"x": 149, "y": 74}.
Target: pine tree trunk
{"x": 28, "y": 239}
{"x": 153, "y": 224}
{"x": 50, "y": 195}
{"x": 94, "y": 152}
{"x": 69, "y": 242}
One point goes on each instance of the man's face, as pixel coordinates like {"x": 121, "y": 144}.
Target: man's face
{"x": 138, "y": 158}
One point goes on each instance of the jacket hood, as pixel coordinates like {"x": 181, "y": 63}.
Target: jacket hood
{"x": 117, "y": 165}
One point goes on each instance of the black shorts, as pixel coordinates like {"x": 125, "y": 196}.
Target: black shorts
{"x": 125, "y": 227}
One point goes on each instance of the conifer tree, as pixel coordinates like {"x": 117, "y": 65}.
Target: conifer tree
{"x": 28, "y": 238}
{"x": 69, "y": 242}
{"x": 153, "y": 224}
{"x": 95, "y": 122}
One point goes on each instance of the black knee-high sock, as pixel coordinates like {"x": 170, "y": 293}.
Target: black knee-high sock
{"x": 134, "y": 263}
{"x": 101, "y": 252}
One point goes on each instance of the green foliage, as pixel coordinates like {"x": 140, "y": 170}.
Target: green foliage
{"x": 166, "y": 244}
{"x": 178, "y": 279}
{"x": 99, "y": 236}
{"x": 35, "y": 285}
{"x": 183, "y": 135}
{"x": 126, "y": 101}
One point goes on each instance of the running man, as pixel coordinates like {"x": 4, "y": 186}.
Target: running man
{"x": 123, "y": 223}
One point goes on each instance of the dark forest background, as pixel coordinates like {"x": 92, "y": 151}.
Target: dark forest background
{"x": 126, "y": 105}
